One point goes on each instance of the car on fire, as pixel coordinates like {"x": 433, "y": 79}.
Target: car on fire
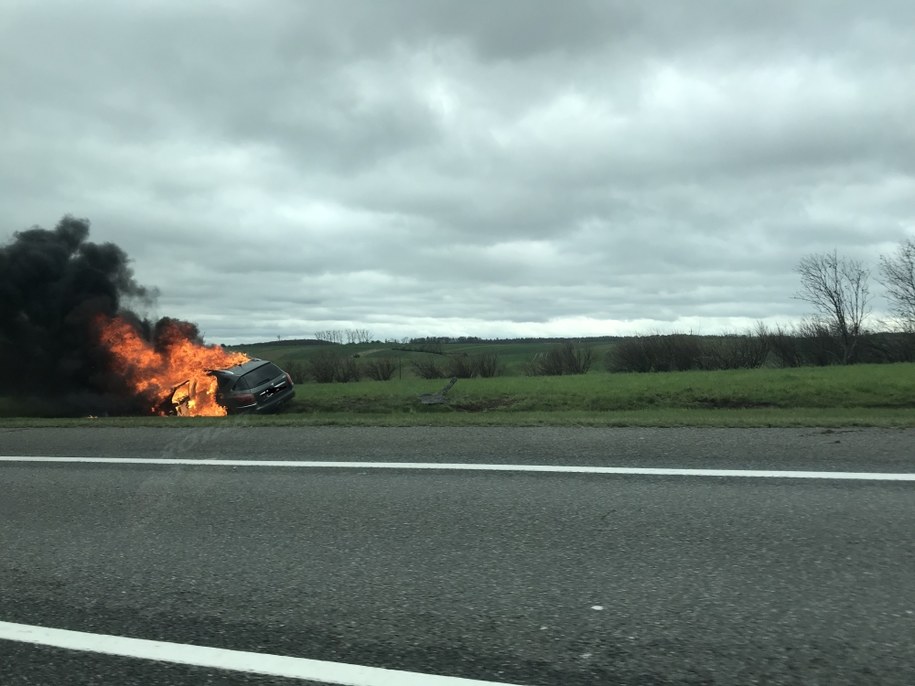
{"x": 253, "y": 386}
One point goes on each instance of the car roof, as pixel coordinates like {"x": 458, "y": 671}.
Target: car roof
{"x": 243, "y": 368}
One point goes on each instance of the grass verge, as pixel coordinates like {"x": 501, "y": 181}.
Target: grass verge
{"x": 862, "y": 395}
{"x": 733, "y": 418}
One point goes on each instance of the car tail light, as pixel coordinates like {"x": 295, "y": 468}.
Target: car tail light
{"x": 244, "y": 399}
{"x": 288, "y": 378}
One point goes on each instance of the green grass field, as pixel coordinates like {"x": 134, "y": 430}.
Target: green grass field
{"x": 875, "y": 386}
{"x": 512, "y": 356}
{"x": 861, "y": 395}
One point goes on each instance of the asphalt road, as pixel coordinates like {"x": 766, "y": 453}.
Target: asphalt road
{"x": 482, "y": 575}
{"x": 847, "y": 449}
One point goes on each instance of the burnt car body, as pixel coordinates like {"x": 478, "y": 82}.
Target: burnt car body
{"x": 254, "y": 386}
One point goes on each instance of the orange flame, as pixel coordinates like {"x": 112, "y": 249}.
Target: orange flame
{"x": 179, "y": 362}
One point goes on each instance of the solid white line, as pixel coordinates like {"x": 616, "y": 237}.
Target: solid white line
{"x": 232, "y": 660}
{"x": 475, "y": 467}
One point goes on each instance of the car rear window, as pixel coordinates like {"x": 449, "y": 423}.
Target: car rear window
{"x": 224, "y": 382}
{"x": 259, "y": 376}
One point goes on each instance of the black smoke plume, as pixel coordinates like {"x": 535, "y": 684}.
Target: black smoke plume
{"x": 54, "y": 284}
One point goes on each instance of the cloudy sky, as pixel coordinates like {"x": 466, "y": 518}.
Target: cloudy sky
{"x": 467, "y": 167}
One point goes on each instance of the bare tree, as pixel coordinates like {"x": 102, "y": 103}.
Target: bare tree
{"x": 329, "y": 336}
{"x": 358, "y": 336}
{"x": 898, "y": 277}
{"x": 839, "y": 291}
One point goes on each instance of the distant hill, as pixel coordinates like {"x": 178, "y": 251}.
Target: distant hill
{"x": 290, "y": 342}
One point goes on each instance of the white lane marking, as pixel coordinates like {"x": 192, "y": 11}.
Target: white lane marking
{"x": 474, "y": 467}
{"x": 231, "y": 660}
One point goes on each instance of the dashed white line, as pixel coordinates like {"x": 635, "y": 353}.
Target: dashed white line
{"x": 472, "y": 467}
{"x": 231, "y": 660}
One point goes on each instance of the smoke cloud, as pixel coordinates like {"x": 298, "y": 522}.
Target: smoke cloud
{"x": 54, "y": 285}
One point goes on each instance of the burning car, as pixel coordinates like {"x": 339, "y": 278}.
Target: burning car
{"x": 177, "y": 373}
{"x": 252, "y": 386}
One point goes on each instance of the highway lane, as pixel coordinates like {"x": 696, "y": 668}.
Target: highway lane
{"x": 22, "y": 664}
{"x": 854, "y": 449}
{"x": 526, "y": 578}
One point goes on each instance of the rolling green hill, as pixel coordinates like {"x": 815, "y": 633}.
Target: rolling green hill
{"x": 512, "y": 355}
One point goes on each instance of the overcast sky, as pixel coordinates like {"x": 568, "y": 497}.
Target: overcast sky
{"x": 464, "y": 168}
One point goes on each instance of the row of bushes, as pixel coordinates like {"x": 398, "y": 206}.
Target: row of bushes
{"x": 328, "y": 366}
{"x": 810, "y": 344}
{"x": 679, "y": 352}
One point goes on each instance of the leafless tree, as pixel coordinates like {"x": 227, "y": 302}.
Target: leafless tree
{"x": 839, "y": 290}
{"x": 898, "y": 277}
{"x": 358, "y": 336}
{"x": 329, "y": 336}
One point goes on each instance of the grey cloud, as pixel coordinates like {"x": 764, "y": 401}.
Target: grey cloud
{"x": 499, "y": 166}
